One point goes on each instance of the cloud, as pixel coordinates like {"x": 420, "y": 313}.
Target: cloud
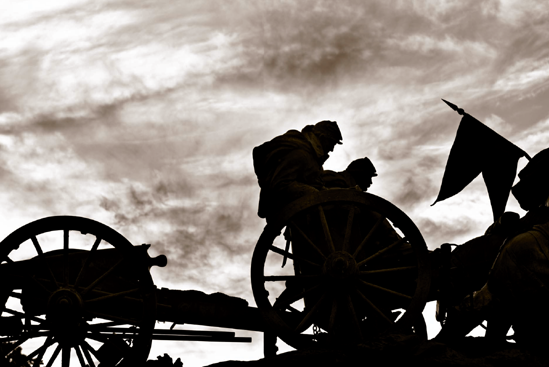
{"x": 205, "y": 225}
{"x": 142, "y": 115}
{"x": 517, "y": 12}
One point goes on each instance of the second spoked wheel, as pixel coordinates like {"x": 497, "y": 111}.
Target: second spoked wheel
{"x": 75, "y": 293}
{"x": 349, "y": 266}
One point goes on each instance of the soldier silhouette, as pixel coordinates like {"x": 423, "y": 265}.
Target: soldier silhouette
{"x": 358, "y": 173}
{"x": 290, "y": 165}
{"x": 515, "y": 292}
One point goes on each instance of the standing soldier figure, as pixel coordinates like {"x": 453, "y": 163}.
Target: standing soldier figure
{"x": 290, "y": 165}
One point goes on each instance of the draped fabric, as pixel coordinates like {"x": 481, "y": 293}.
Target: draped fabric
{"x": 478, "y": 149}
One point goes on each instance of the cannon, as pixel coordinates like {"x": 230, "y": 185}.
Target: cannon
{"x": 93, "y": 298}
{"x": 353, "y": 266}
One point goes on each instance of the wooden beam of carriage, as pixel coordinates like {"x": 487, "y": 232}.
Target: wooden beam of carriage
{"x": 198, "y": 308}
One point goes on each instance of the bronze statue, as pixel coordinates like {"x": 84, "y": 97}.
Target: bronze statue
{"x": 290, "y": 165}
{"x": 358, "y": 173}
{"x": 515, "y": 292}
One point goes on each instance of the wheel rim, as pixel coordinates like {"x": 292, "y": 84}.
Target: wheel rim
{"x": 74, "y": 281}
{"x": 342, "y": 291}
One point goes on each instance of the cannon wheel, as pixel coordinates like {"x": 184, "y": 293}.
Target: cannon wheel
{"x": 292, "y": 324}
{"x": 70, "y": 327}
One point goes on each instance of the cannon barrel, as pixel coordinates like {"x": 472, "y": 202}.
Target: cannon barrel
{"x": 198, "y": 308}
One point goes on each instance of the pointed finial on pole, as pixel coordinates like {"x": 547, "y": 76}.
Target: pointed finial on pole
{"x": 454, "y": 107}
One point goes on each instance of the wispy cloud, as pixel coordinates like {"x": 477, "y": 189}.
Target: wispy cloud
{"x": 143, "y": 115}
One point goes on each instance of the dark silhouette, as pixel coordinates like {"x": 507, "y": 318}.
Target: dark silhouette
{"x": 478, "y": 149}
{"x": 164, "y": 361}
{"x": 105, "y": 289}
{"x": 515, "y": 291}
{"x": 290, "y": 165}
{"x": 358, "y": 173}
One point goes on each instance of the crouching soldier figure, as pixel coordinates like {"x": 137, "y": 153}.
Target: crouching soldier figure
{"x": 516, "y": 291}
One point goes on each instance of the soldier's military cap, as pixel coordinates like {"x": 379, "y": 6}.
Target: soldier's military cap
{"x": 328, "y": 129}
{"x": 362, "y": 165}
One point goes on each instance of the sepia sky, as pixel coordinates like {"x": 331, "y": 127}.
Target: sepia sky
{"x": 143, "y": 114}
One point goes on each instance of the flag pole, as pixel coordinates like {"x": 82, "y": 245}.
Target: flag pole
{"x": 454, "y": 107}
{"x": 462, "y": 112}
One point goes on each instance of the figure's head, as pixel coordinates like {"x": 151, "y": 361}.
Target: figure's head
{"x": 533, "y": 188}
{"x": 328, "y": 135}
{"x": 362, "y": 170}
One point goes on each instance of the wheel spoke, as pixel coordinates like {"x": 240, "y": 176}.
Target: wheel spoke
{"x": 404, "y": 268}
{"x": 333, "y": 314}
{"x": 374, "y": 307}
{"x": 382, "y": 251}
{"x": 309, "y": 314}
{"x": 325, "y": 228}
{"x": 291, "y": 256}
{"x": 113, "y": 295}
{"x": 348, "y": 229}
{"x": 17, "y": 313}
{"x": 54, "y": 356}
{"x": 40, "y": 351}
{"x": 307, "y": 239}
{"x": 291, "y": 309}
{"x": 66, "y": 257}
{"x": 385, "y": 289}
{"x": 102, "y": 277}
{"x": 354, "y": 320}
{"x": 66, "y": 357}
{"x": 84, "y": 266}
{"x": 80, "y": 356}
{"x": 39, "y": 283}
{"x": 43, "y": 258}
{"x": 86, "y": 348}
{"x": 368, "y": 236}
{"x": 97, "y": 337}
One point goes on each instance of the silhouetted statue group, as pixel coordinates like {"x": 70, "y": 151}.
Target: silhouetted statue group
{"x": 502, "y": 276}
{"x": 290, "y": 166}
{"x": 512, "y": 269}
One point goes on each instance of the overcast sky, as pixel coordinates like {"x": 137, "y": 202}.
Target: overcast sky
{"x": 143, "y": 114}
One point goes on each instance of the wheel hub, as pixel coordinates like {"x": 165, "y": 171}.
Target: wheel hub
{"x": 65, "y": 315}
{"x": 340, "y": 265}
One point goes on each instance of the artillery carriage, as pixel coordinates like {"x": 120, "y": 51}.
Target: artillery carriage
{"x": 352, "y": 276}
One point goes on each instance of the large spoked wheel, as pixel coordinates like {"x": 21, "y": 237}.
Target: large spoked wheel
{"x": 353, "y": 277}
{"x": 75, "y": 292}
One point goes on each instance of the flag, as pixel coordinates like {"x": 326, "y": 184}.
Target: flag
{"x": 479, "y": 149}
